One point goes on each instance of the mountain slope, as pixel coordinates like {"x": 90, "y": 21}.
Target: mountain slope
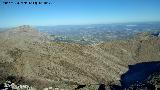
{"x": 29, "y": 54}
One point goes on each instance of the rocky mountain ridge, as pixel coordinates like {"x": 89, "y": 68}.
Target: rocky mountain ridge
{"x": 27, "y": 53}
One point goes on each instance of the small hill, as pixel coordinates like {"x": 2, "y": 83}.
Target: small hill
{"x": 27, "y": 53}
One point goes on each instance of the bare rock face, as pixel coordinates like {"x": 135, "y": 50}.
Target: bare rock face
{"x": 23, "y": 33}
{"x": 21, "y": 30}
{"x": 27, "y": 53}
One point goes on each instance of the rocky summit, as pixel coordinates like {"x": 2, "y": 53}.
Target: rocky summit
{"x": 32, "y": 59}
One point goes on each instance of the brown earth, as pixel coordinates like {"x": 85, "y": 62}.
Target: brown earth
{"x": 24, "y": 52}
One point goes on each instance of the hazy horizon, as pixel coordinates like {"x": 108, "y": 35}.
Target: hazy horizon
{"x": 147, "y": 22}
{"x": 79, "y": 12}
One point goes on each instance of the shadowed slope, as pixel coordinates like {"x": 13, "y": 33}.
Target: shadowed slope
{"x": 139, "y": 72}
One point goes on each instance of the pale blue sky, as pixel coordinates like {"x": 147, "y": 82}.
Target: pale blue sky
{"x": 69, "y": 12}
